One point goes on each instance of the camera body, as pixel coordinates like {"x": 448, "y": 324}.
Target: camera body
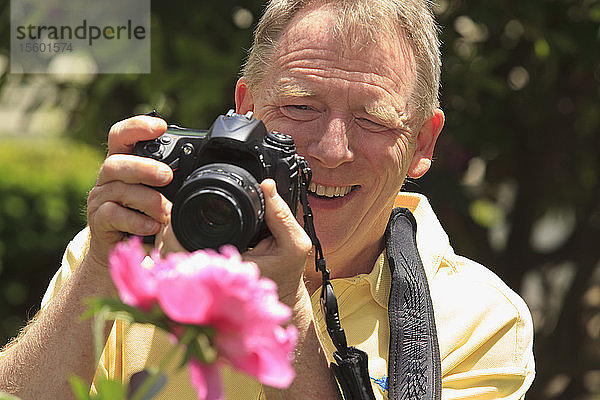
{"x": 215, "y": 189}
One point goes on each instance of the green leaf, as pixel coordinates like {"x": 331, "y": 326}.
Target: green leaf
{"x": 6, "y": 396}
{"x": 110, "y": 390}
{"x": 203, "y": 349}
{"x": 98, "y": 334}
{"x": 114, "y": 308}
{"x": 104, "y": 309}
{"x": 79, "y": 388}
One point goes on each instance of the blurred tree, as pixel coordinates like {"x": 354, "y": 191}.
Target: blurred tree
{"x": 197, "y": 49}
{"x": 516, "y": 176}
{"x": 515, "y": 180}
{"x": 42, "y": 203}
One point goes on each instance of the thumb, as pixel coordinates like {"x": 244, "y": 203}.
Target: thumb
{"x": 281, "y": 221}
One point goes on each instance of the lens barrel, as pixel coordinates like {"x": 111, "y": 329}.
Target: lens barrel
{"x": 217, "y": 204}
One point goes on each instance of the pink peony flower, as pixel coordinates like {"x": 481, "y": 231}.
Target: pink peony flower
{"x": 206, "y": 378}
{"x": 136, "y": 284}
{"x": 260, "y": 353}
{"x": 220, "y": 291}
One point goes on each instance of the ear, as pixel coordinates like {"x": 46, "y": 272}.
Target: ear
{"x": 244, "y": 100}
{"x": 428, "y": 135}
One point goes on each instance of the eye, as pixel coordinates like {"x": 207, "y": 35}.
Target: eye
{"x": 370, "y": 125}
{"x": 299, "y": 112}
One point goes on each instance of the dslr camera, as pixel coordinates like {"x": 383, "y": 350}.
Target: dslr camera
{"x": 215, "y": 189}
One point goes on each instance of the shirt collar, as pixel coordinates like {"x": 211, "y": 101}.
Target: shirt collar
{"x": 432, "y": 243}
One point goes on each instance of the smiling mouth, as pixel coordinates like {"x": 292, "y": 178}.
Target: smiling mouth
{"x": 330, "y": 191}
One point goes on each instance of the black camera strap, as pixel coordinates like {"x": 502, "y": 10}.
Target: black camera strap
{"x": 351, "y": 370}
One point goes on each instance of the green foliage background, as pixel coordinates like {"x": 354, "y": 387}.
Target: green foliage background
{"x": 42, "y": 197}
{"x": 515, "y": 181}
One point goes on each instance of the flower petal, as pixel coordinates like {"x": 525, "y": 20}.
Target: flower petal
{"x": 206, "y": 379}
{"x": 135, "y": 283}
{"x": 266, "y": 355}
{"x": 185, "y": 299}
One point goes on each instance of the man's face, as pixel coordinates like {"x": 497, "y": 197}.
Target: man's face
{"x": 347, "y": 113}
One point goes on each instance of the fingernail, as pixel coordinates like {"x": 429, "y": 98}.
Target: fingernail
{"x": 150, "y": 226}
{"x": 167, "y": 213}
{"x": 272, "y": 188}
{"x": 157, "y": 123}
{"x": 164, "y": 173}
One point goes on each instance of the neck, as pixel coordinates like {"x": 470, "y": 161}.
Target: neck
{"x": 343, "y": 264}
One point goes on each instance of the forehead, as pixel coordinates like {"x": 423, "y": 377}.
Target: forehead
{"x": 317, "y": 42}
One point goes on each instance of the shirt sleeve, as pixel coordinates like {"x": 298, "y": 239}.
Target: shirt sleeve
{"x": 72, "y": 258}
{"x": 486, "y": 336}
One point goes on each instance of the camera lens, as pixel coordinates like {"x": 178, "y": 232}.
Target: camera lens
{"x": 213, "y": 215}
{"x": 217, "y": 204}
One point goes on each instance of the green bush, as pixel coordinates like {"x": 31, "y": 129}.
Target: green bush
{"x": 43, "y": 188}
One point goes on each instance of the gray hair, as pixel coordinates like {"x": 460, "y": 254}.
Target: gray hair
{"x": 412, "y": 18}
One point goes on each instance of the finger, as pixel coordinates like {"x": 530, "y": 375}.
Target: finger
{"x": 166, "y": 242}
{"x": 134, "y": 169}
{"x": 281, "y": 222}
{"x": 136, "y": 197}
{"x": 112, "y": 217}
{"x": 123, "y": 135}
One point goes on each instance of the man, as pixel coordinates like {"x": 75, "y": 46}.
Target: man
{"x": 356, "y": 84}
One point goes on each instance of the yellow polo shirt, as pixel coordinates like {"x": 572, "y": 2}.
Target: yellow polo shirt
{"x": 484, "y": 329}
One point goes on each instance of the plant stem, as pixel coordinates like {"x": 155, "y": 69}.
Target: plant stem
{"x": 155, "y": 372}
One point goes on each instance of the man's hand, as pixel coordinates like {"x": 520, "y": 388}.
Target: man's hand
{"x": 282, "y": 256}
{"x": 122, "y": 200}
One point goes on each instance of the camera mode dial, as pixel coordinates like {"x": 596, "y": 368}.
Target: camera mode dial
{"x": 153, "y": 149}
{"x": 279, "y": 138}
{"x": 281, "y": 141}
{"x": 158, "y": 148}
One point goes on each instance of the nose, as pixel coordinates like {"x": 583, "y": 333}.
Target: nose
{"x": 330, "y": 146}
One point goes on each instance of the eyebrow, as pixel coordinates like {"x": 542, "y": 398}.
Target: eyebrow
{"x": 293, "y": 90}
{"x": 387, "y": 114}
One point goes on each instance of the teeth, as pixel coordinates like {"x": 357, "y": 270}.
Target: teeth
{"x": 330, "y": 191}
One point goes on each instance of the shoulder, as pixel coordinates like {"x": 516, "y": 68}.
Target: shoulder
{"x": 72, "y": 258}
{"x": 484, "y": 328}
{"x": 472, "y": 284}
{"x": 481, "y": 322}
